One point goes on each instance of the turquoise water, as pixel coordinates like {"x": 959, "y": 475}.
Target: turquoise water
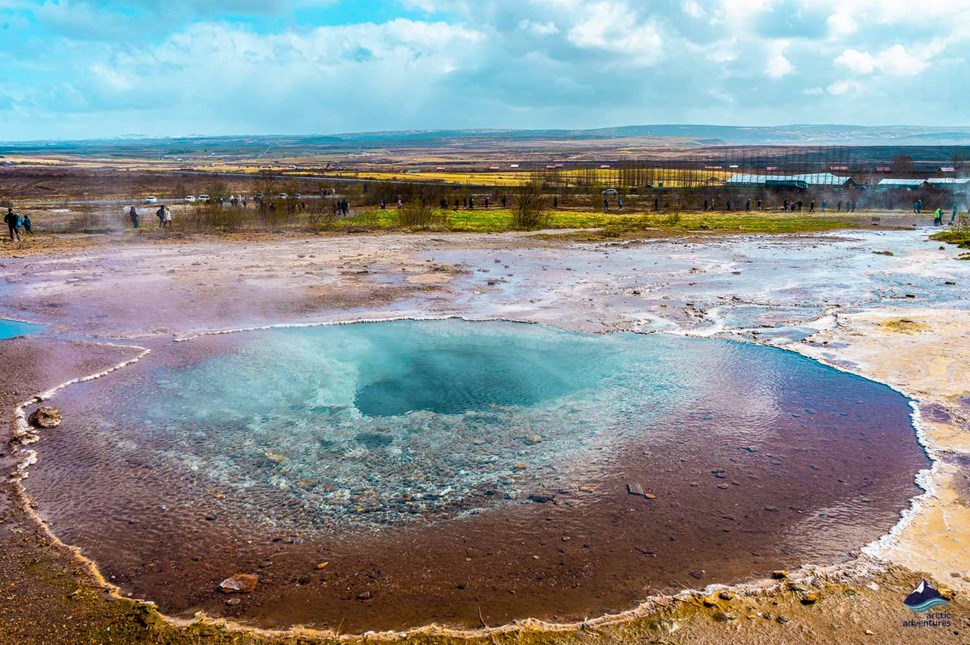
{"x": 373, "y": 424}
{"x": 358, "y": 416}
{"x": 13, "y": 328}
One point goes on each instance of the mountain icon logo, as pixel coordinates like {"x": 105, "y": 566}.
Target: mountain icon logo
{"x": 924, "y": 598}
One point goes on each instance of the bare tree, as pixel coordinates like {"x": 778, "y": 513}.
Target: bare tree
{"x": 531, "y": 208}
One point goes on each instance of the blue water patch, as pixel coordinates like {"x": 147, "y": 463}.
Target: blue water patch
{"x": 14, "y": 328}
{"x": 369, "y": 424}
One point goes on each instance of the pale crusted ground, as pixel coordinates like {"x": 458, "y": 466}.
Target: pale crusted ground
{"x": 931, "y": 364}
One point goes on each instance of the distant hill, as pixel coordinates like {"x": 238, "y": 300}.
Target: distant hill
{"x": 642, "y": 135}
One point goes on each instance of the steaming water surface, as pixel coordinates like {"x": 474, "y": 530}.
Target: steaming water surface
{"x": 381, "y": 445}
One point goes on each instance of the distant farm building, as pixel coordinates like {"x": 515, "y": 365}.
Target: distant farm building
{"x": 799, "y": 182}
{"x": 952, "y": 182}
{"x": 896, "y": 184}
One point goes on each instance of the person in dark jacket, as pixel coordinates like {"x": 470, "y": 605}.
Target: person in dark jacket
{"x": 28, "y": 227}
{"x": 12, "y": 220}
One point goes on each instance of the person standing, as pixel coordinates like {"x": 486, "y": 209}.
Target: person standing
{"x": 811, "y": 206}
{"x": 953, "y": 215}
{"x": 166, "y": 217}
{"x": 606, "y": 204}
{"x": 938, "y": 219}
{"x": 12, "y": 220}
{"x": 133, "y": 215}
{"x": 28, "y": 227}
{"x": 619, "y": 203}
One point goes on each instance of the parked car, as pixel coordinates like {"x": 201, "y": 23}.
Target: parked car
{"x": 610, "y": 192}
{"x": 282, "y": 196}
{"x": 297, "y": 196}
{"x": 203, "y": 197}
{"x": 190, "y": 198}
{"x": 151, "y": 200}
{"x": 259, "y": 196}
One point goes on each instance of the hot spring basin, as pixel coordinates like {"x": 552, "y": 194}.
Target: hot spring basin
{"x": 442, "y": 467}
{"x": 15, "y": 328}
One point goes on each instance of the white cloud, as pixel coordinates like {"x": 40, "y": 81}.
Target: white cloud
{"x": 612, "y": 26}
{"x": 83, "y": 66}
{"x": 856, "y": 61}
{"x": 539, "y": 28}
{"x": 841, "y": 25}
{"x": 839, "y": 88}
{"x": 896, "y": 60}
{"x": 778, "y": 66}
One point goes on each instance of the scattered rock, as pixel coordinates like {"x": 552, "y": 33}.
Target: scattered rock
{"x": 533, "y": 439}
{"x": 634, "y": 489}
{"x": 698, "y": 575}
{"x": 779, "y": 574}
{"x": 239, "y": 583}
{"x": 541, "y": 499}
{"x": 725, "y": 595}
{"x": 809, "y": 598}
{"x": 366, "y": 595}
{"x": 771, "y": 509}
{"x": 45, "y": 417}
{"x": 322, "y": 565}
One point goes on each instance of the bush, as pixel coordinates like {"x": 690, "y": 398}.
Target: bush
{"x": 530, "y": 210}
{"x": 417, "y": 214}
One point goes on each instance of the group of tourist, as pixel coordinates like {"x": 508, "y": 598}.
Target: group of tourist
{"x": 15, "y": 221}
{"x": 164, "y": 215}
{"x": 938, "y": 215}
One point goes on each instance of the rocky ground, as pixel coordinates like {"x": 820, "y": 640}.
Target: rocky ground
{"x": 886, "y": 305}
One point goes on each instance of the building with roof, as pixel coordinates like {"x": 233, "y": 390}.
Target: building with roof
{"x": 905, "y": 184}
{"x": 802, "y": 182}
{"x": 948, "y": 181}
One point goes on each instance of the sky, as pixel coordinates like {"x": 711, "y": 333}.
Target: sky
{"x": 74, "y": 69}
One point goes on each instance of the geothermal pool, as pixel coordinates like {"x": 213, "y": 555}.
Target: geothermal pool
{"x": 15, "y": 328}
{"x": 442, "y": 467}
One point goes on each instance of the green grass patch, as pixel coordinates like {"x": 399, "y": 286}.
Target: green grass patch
{"x": 958, "y": 236}
{"x": 613, "y": 224}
